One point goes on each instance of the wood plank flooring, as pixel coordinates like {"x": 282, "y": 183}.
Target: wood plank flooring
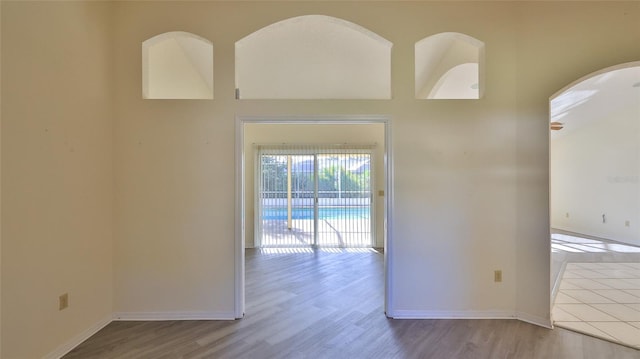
{"x": 328, "y": 304}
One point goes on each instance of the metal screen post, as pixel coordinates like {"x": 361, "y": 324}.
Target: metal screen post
{"x": 289, "y": 221}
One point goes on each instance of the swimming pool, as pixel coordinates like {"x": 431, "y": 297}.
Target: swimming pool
{"x": 280, "y": 213}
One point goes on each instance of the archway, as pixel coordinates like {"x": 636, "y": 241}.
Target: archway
{"x": 595, "y": 204}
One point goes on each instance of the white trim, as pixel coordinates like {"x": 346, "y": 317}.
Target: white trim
{"x": 556, "y": 283}
{"x": 257, "y": 205}
{"x": 324, "y": 18}
{"x": 320, "y": 119}
{"x": 535, "y": 320}
{"x": 71, "y": 344}
{"x": 553, "y": 286}
{"x": 455, "y": 314}
{"x": 388, "y": 217}
{"x": 472, "y": 314}
{"x": 239, "y": 223}
{"x": 373, "y": 204}
{"x": 154, "y": 316}
{"x": 625, "y": 65}
{"x": 239, "y": 303}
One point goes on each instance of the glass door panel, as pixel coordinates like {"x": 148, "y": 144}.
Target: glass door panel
{"x": 314, "y": 199}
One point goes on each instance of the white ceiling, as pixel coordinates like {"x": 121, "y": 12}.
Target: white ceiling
{"x": 593, "y": 99}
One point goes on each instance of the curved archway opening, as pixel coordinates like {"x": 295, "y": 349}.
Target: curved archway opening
{"x": 594, "y": 177}
{"x": 313, "y": 57}
{"x": 449, "y": 66}
{"x": 177, "y": 65}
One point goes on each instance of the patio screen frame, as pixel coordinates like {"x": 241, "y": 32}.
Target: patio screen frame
{"x": 346, "y": 227}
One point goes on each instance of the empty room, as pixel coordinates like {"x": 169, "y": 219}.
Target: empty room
{"x": 319, "y": 179}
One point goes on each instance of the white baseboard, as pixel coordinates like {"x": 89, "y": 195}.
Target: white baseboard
{"x": 464, "y": 314}
{"x": 535, "y": 320}
{"x": 120, "y": 316}
{"x": 556, "y": 283}
{"x": 76, "y": 340}
{"x": 472, "y": 314}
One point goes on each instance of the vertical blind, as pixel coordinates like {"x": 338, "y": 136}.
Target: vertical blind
{"x": 316, "y": 195}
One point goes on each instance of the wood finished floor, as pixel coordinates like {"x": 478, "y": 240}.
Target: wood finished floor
{"x": 328, "y": 304}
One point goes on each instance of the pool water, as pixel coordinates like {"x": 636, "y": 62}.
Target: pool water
{"x": 280, "y": 213}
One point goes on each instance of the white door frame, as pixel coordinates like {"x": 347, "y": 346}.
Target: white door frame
{"x": 239, "y": 300}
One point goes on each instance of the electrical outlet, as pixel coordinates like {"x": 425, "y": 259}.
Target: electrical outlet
{"x": 63, "y": 301}
{"x": 627, "y": 223}
{"x": 497, "y": 276}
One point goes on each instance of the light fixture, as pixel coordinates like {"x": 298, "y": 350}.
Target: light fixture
{"x": 556, "y": 126}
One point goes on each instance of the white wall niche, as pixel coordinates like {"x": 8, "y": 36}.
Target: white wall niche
{"x": 449, "y": 65}
{"x": 313, "y": 57}
{"x": 177, "y": 65}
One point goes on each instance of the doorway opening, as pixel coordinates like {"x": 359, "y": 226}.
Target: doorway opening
{"x": 594, "y": 167}
{"x": 307, "y": 184}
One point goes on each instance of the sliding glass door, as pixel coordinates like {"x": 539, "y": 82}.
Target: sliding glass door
{"x": 314, "y": 196}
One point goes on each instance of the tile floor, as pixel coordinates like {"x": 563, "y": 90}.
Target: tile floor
{"x": 600, "y": 299}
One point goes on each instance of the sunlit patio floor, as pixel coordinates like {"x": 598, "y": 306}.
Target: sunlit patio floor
{"x": 350, "y": 233}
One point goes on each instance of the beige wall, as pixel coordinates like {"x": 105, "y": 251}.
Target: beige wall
{"x": 313, "y": 134}
{"x": 57, "y": 178}
{"x": 174, "y": 164}
{"x": 558, "y": 43}
{"x": 470, "y": 177}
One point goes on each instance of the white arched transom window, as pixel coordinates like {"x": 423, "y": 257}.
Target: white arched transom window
{"x": 313, "y": 57}
{"x": 177, "y": 65}
{"x": 449, "y": 66}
